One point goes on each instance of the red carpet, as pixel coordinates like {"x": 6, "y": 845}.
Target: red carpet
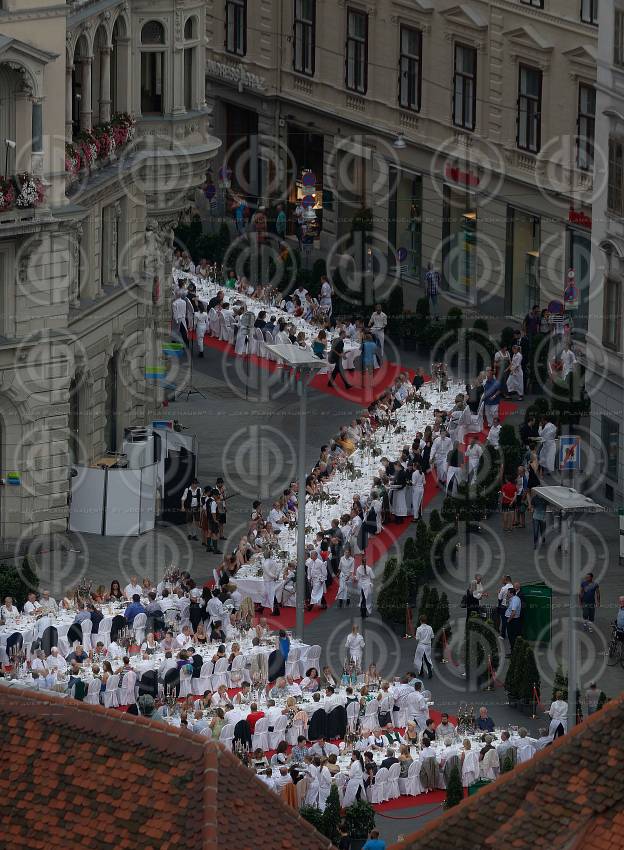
{"x": 407, "y": 801}
{"x": 381, "y": 379}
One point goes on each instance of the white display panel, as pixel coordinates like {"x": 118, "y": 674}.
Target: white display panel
{"x": 87, "y": 505}
{"x": 147, "y": 513}
{"x": 123, "y": 502}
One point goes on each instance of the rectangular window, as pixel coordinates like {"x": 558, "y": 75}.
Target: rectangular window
{"x": 611, "y": 443}
{"x": 410, "y": 68}
{"x": 538, "y": 4}
{"x": 522, "y": 261}
{"x": 618, "y": 38}
{"x": 405, "y": 225}
{"x": 529, "y": 109}
{"x": 611, "y": 314}
{"x": 236, "y": 27}
{"x": 459, "y": 243}
{"x": 615, "y": 184}
{"x": 356, "y": 72}
{"x": 589, "y": 11}
{"x": 304, "y": 36}
{"x": 585, "y": 127}
{"x": 465, "y": 87}
{"x": 152, "y": 82}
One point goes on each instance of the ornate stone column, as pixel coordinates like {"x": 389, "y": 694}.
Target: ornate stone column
{"x": 86, "y": 112}
{"x": 69, "y": 102}
{"x": 105, "y": 83}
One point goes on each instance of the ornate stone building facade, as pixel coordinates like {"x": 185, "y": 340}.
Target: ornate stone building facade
{"x": 482, "y": 150}
{"x": 105, "y": 137}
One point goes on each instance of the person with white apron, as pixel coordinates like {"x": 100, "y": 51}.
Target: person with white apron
{"x": 424, "y": 636}
{"x": 270, "y": 576}
{"x": 418, "y": 491}
{"x": 568, "y": 361}
{"x": 439, "y": 451}
{"x": 355, "y": 646}
{"x": 548, "y": 451}
{"x": 317, "y": 576}
{"x": 201, "y": 326}
{"x": 453, "y": 469}
{"x": 473, "y": 453}
{"x": 364, "y": 578}
{"x": 558, "y": 713}
{"x": 346, "y": 571}
{"x": 398, "y": 490}
{"x": 515, "y": 381}
{"x": 418, "y": 709}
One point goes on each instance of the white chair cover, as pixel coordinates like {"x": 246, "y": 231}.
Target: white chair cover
{"x": 104, "y": 630}
{"x": 525, "y": 752}
{"x": 292, "y": 663}
{"x": 377, "y": 791}
{"x": 353, "y": 712}
{"x": 470, "y": 768}
{"x": 111, "y": 694}
{"x": 392, "y": 782}
{"x": 213, "y": 322}
{"x": 204, "y": 683}
{"x": 220, "y": 673}
{"x": 87, "y": 628}
{"x": 138, "y": 624}
{"x": 412, "y": 785}
{"x": 260, "y": 737}
{"x": 185, "y": 681}
{"x": 370, "y": 720}
{"x": 127, "y": 692}
{"x": 240, "y": 346}
{"x": 227, "y": 735}
{"x": 92, "y": 696}
{"x": 279, "y": 732}
{"x": 351, "y": 789}
{"x": 237, "y": 673}
{"x": 312, "y": 659}
{"x": 268, "y": 337}
{"x": 257, "y": 343}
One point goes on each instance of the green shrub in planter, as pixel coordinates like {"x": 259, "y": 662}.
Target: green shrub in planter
{"x": 529, "y": 677}
{"x": 435, "y": 522}
{"x": 331, "y": 816}
{"x": 454, "y": 789}
{"x": 313, "y": 816}
{"x": 360, "y": 819}
{"x": 17, "y": 580}
{"x": 481, "y": 642}
{"x": 513, "y": 679}
{"x": 394, "y": 596}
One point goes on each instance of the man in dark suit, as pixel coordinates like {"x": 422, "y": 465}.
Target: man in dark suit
{"x": 390, "y": 758}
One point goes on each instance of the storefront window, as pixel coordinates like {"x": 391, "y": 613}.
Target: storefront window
{"x": 460, "y": 243}
{"x": 523, "y": 259}
{"x": 307, "y": 182}
{"x": 405, "y": 225}
{"x": 579, "y": 259}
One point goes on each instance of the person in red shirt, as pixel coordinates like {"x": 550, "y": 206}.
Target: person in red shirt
{"x": 508, "y": 502}
{"x": 253, "y": 716}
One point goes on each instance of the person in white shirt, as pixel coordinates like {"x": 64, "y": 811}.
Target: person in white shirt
{"x": 220, "y": 697}
{"x": 444, "y": 729}
{"x": 179, "y": 320}
{"x": 424, "y": 636}
{"x": 215, "y": 608}
{"x": 377, "y": 323}
{"x": 364, "y": 578}
{"x": 201, "y": 326}
{"x": 55, "y": 660}
{"x": 168, "y": 663}
{"x": 325, "y": 299}
{"x": 272, "y": 713}
{"x": 132, "y": 588}
{"x": 417, "y": 707}
{"x": 494, "y": 433}
{"x": 270, "y": 577}
{"x": 184, "y": 639}
{"x": 316, "y": 571}
{"x": 48, "y": 604}
{"x": 277, "y": 518}
{"x": 233, "y": 715}
{"x": 38, "y": 663}
{"x": 166, "y": 603}
{"x": 418, "y": 491}
{"x": 31, "y": 606}
{"x": 346, "y": 570}
{"x": 321, "y": 747}
{"x": 355, "y": 645}
{"x": 515, "y": 381}
{"x": 8, "y": 611}
{"x": 548, "y": 451}
{"x": 442, "y": 445}
{"x": 568, "y": 361}
{"x": 558, "y": 713}
{"x": 473, "y": 453}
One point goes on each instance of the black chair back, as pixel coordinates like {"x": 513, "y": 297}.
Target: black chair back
{"x": 14, "y": 641}
{"x": 242, "y": 733}
{"x": 149, "y": 683}
{"x": 337, "y": 722}
{"x": 195, "y": 615}
{"x": 172, "y": 678}
{"x": 74, "y": 633}
{"x": 49, "y": 638}
{"x": 198, "y": 662}
{"x": 318, "y": 725}
{"x": 277, "y": 665}
{"x": 119, "y": 623}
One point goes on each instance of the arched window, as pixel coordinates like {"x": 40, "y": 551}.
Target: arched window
{"x": 152, "y": 68}
{"x": 190, "y": 29}
{"x": 9, "y": 84}
{"x": 112, "y": 403}
{"x": 190, "y": 53}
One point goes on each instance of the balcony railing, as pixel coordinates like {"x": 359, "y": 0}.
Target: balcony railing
{"x": 23, "y": 191}
{"x": 98, "y": 145}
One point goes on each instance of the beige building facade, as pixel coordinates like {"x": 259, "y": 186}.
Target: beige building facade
{"x": 465, "y": 129}
{"x": 105, "y": 135}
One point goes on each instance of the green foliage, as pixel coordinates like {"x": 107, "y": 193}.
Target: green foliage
{"x": 507, "y": 337}
{"x": 17, "y": 580}
{"x": 435, "y": 522}
{"x": 213, "y": 246}
{"x": 482, "y": 326}
{"x": 360, "y": 819}
{"x": 422, "y": 309}
{"x": 331, "y": 816}
{"x": 560, "y": 683}
{"x": 602, "y": 699}
{"x": 481, "y": 642}
{"x": 390, "y": 569}
{"x": 394, "y": 596}
{"x": 313, "y": 816}
{"x": 432, "y": 607}
{"x": 454, "y": 319}
{"x": 454, "y": 789}
{"x": 443, "y": 618}
{"x": 529, "y": 676}
{"x": 513, "y": 679}
{"x": 507, "y": 763}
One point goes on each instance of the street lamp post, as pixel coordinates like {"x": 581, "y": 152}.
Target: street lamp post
{"x": 307, "y": 364}
{"x": 570, "y": 504}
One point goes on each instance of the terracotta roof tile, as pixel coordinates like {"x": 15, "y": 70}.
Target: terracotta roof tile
{"x": 161, "y": 789}
{"x": 570, "y": 796}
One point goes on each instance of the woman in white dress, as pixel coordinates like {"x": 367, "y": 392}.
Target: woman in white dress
{"x": 469, "y": 765}
{"x": 346, "y": 572}
{"x": 547, "y": 433}
{"x": 568, "y": 361}
{"x": 355, "y": 524}
{"x": 355, "y": 646}
{"x": 515, "y": 381}
{"x": 418, "y": 491}
{"x": 364, "y": 578}
{"x": 201, "y": 326}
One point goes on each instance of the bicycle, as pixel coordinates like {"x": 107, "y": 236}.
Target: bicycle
{"x": 615, "y": 650}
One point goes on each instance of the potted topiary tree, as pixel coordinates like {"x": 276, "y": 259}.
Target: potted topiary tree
{"x": 529, "y": 681}
{"x": 454, "y": 789}
{"x": 393, "y": 599}
{"x": 514, "y": 671}
{"x": 360, "y": 820}
{"x": 313, "y": 816}
{"x": 331, "y": 816}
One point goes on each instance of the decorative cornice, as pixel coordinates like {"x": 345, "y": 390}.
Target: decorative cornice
{"x": 34, "y": 14}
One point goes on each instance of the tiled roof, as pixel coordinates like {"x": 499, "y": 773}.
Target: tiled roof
{"x": 77, "y": 775}
{"x": 570, "y": 796}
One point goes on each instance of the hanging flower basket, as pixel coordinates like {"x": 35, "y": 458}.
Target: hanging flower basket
{"x": 100, "y": 143}
{"x": 30, "y": 191}
{"x": 7, "y": 194}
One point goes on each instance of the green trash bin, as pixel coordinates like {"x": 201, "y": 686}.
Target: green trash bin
{"x": 537, "y": 612}
{"x": 478, "y": 785}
